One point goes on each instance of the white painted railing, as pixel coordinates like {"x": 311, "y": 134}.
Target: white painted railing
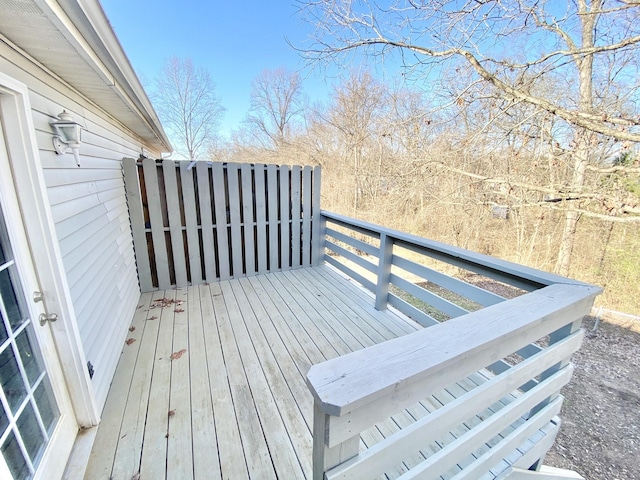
{"x": 358, "y": 390}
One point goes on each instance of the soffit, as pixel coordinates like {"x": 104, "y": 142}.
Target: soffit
{"x": 66, "y": 42}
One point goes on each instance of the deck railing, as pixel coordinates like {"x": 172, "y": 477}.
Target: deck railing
{"x": 358, "y": 390}
{"x": 516, "y": 351}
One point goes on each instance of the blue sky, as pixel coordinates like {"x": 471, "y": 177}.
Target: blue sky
{"x": 235, "y": 41}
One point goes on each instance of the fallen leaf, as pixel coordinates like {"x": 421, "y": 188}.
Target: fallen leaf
{"x": 172, "y": 413}
{"x": 132, "y": 328}
{"x": 130, "y": 341}
{"x": 152, "y": 318}
{"x": 177, "y": 355}
{"x": 178, "y": 310}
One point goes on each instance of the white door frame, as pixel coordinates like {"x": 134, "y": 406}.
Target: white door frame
{"x": 38, "y": 223}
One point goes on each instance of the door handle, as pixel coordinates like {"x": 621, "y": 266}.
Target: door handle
{"x": 51, "y": 317}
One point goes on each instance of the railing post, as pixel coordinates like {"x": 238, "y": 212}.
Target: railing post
{"x": 325, "y": 458}
{"x": 319, "y": 235}
{"x": 384, "y": 271}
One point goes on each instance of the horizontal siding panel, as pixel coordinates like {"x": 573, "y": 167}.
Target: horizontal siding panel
{"x": 55, "y": 177}
{"x": 107, "y": 357}
{"x": 105, "y": 304}
{"x": 66, "y": 193}
{"x": 89, "y": 117}
{"x": 85, "y": 262}
{"x": 70, "y": 226}
{"x": 79, "y": 261}
{"x": 113, "y": 194}
{"x": 67, "y": 210}
{"x": 100, "y": 292}
{"x": 73, "y": 242}
{"x": 97, "y": 132}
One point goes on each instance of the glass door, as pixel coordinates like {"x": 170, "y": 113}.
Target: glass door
{"x": 28, "y": 411}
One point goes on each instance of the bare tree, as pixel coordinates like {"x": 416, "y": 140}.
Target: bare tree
{"x": 513, "y": 50}
{"x": 276, "y": 106}
{"x": 188, "y": 106}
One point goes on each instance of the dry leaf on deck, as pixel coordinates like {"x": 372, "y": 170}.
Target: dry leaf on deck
{"x": 178, "y": 310}
{"x": 177, "y": 355}
{"x": 130, "y": 341}
{"x": 132, "y": 328}
{"x": 172, "y": 413}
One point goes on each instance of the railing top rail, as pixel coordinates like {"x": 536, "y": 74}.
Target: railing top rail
{"x": 431, "y": 357}
{"x": 534, "y": 277}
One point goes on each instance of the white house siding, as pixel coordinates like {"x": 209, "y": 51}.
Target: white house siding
{"x": 90, "y": 213}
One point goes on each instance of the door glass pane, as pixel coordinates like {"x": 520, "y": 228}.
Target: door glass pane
{"x": 4, "y": 258}
{"x": 4, "y": 419}
{"x": 3, "y": 330}
{"x": 30, "y": 432}
{"x": 28, "y": 356}
{"x": 14, "y": 458}
{"x": 11, "y": 297}
{"x": 46, "y": 405}
{"x": 11, "y": 379}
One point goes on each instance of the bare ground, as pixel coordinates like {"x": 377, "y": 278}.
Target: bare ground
{"x": 600, "y": 432}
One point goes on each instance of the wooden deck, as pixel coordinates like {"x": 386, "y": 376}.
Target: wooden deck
{"x": 232, "y": 402}
{"x": 211, "y": 383}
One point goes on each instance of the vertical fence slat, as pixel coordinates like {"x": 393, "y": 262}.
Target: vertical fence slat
{"x": 306, "y": 215}
{"x": 175, "y": 222}
{"x": 272, "y": 193}
{"x": 134, "y": 201}
{"x": 219, "y": 200}
{"x": 285, "y": 213}
{"x": 261, "y": 219}
{"x": 157, "y": 224}
{"x": 206, "y": 221}
{"x": 295, "y": 217}
{"x": 235, "y": 220}
{"x": 191, "y": 223}
{"x": 248, "y": 194}
{"x": 318, "y": 224}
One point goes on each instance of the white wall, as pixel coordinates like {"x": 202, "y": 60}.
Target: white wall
{"x": 90, "y": 214}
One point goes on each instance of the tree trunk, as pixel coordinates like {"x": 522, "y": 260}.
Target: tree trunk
{"x": 583, "y": 138}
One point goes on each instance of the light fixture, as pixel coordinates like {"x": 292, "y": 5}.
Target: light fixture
{"x": 68, "y": 135}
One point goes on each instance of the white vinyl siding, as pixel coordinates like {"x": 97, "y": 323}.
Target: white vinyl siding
{"x": 90, "y": 213}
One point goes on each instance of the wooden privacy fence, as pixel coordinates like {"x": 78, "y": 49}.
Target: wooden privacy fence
{"x": 220, "y": 220}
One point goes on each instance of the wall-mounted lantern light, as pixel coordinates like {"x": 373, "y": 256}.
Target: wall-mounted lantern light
{"x": 67, "y": 136}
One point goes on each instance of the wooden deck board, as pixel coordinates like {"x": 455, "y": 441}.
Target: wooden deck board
{"x": 235, "y": 404}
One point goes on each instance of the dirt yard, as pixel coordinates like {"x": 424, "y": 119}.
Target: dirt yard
{"x": 600, "y": 433}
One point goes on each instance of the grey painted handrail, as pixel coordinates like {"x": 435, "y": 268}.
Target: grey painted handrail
{"x": 503, "y": 270}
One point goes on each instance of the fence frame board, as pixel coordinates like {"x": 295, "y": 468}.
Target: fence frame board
{"x": 134, "y": 202}
{"x": 156, "y": 222}
{"x": 206, "y": 221}
{"x": 191, "y": 223}
{"x": 222, "y": 232}
{"x": 175, "y": 222}
{"x": 285, "y": 245}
